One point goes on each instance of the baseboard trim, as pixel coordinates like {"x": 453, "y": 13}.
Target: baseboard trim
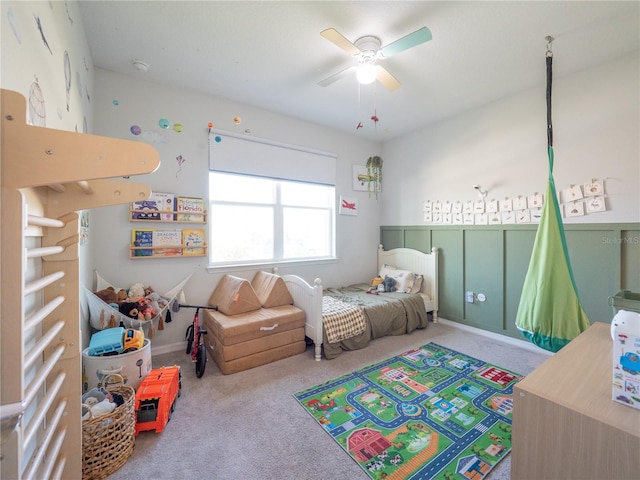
{"x": 176, "y": 347}
{"x": 172, "y": 347}
{"x": 496, "y": 336}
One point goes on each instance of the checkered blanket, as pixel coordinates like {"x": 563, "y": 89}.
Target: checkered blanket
{"x": 341, "y": 319}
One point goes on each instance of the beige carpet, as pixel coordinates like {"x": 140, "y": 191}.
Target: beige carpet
{"x": 249, "y": 426}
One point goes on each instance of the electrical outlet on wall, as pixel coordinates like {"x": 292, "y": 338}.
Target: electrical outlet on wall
{"x": 469, "y": 297}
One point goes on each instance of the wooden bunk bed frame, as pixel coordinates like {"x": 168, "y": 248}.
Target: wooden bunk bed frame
{"x": 47, "y": 177}
{"x": 309, "y": 297}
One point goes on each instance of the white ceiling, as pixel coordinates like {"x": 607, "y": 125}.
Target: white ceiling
{"x": 270, "y": 53}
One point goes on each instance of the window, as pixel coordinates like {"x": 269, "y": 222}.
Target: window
{"x": 263, "y": 220}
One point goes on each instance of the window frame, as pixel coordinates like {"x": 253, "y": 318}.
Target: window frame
{"x": 278, "y": 225}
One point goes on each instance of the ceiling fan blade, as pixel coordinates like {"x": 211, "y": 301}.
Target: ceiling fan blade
{"x": 390, "y": 82}
{"x": 340, "y": 41}
{"x": 336, "y": 76}
{"x": 421, "y": 35}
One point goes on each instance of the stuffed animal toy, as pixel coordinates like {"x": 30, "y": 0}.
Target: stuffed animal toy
{"x": 107, "y": 295}
{"x": 130, "y": 309}
{"x": 389, "y": 284}
{"x": 122, "y": 296}
{"x": 135, "y": 292}
{"x": 375, "y": 283}
{"x": 146, "y": 310}
{"x": 156, "y": 301}
{"x": 630, "y": 321}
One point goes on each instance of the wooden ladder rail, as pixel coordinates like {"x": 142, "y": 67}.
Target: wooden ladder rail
{"x": 47, "y": 177}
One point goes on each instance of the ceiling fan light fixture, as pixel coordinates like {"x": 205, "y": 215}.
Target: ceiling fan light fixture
{"x": 366, "y": 73}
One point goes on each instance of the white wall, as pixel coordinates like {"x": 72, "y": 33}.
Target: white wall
{"x": 503, "y": 147}
{"x": 33, "y": 69}
{"x": 144, "y": 104}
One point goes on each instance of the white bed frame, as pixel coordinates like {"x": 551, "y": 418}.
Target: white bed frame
{"x": 309, "y": 297}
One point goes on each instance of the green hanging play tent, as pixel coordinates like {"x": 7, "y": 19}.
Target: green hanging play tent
{"x": 550, "y": 314}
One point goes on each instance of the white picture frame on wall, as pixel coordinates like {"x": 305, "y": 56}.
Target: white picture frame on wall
{"x": 359, "y": 181}
{"x": 348, "y": 206}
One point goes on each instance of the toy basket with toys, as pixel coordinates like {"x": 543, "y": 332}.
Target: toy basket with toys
{"x": 108, "y": 440}
{"x": 140, "y": 308}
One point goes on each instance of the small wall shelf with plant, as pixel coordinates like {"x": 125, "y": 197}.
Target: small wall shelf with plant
{"x": 168, "y": 208}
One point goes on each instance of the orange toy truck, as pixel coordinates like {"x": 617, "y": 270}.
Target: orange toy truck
{"x": 156, "y": 398}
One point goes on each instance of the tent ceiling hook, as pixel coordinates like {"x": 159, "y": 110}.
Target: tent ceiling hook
{"x": 549, "y": 40}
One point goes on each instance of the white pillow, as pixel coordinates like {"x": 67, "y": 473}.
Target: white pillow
{"x": 404, "y": 280}
{"x": 417, "y": 283}
{"x": 386, "y": 270}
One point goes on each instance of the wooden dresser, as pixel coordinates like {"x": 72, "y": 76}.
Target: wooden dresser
{"x": 565, "y": 424}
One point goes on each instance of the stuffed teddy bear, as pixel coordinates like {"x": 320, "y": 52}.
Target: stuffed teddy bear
{"x": 122, "y": 296}
{"x": 107, "y": 295}
{"x": 135, "y": 292}
{"x": 146, "y": 310}
{"x": 130, "y": 309}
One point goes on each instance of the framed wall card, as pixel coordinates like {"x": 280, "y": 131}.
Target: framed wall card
{"x": 348, "y": 206}
{"x": 360, "y": 180}
{"x": 574, "y": 209}
{"x": 595, "y": 188}
{"x": 519, "y": 203}
{"x": 596, "y": 204}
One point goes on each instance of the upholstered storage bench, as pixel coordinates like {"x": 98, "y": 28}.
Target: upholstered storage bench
{"x": 244, "y": 334}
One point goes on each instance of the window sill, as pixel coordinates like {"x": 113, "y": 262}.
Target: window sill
{"x": 240, "y": 267}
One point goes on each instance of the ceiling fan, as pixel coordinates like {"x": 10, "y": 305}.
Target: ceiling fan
{"x": 367, "y": 51}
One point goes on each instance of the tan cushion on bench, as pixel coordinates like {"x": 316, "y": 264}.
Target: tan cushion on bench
{"x": 228, "y": 367}
{"x": 243, "y": 327}
{"x": 234, "y": 295}
{"x": 271, "y": 290}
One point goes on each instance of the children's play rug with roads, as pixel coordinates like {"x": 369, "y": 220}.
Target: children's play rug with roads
{"x": 429, "y": 413}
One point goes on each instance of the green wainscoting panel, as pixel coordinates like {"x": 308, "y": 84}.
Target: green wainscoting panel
{"x": 592, "y": 261}
{"x": 450, "y": 272}
{"x": 483, "y": 273}
{"x": 629, "y": 241}
{"x": 418, "y": 239}
{"x": 494, "y": 260}
{"x": 392, "y": 238}
{"x": 517, "y": 254}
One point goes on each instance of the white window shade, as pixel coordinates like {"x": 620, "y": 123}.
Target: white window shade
{"x": 237, "y": 153}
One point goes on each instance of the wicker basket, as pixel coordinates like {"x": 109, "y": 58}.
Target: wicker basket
{"x": 108, "y": 440}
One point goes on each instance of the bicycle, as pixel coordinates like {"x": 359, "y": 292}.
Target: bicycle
{"x": 193, "y": 336}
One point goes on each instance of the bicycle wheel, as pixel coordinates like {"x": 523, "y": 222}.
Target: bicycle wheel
{"x": 189, "y": 337}
{"x": 201, "y": 360}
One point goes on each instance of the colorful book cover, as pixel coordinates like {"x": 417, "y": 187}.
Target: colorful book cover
{"x": 151, "y": 209}
{"x": 142, "y": 237}
{"x": 193, "y": 241}
{"x": 165, "y": 203}
{"x": 170, "y": 238}
{"x": 192, "y": 207}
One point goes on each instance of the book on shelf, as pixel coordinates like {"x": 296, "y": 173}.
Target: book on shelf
{"x": 142, "y": 237}
{"x": 172, "y": 239}
{"x": 152, "y": 208}
{"x": 193, "y": 241}
{"x": 190, "y": 209}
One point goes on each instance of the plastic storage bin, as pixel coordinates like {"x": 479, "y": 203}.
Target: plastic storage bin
{"x": 625, "y": 300}
{"x": 133, "y": 367}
